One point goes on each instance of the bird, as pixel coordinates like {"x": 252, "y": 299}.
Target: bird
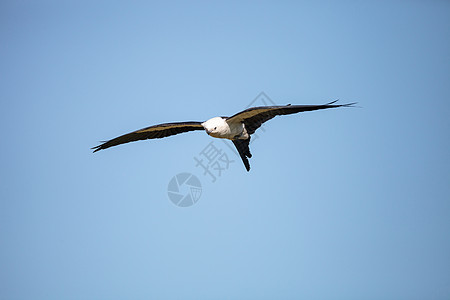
{"x": 238, "y": 128}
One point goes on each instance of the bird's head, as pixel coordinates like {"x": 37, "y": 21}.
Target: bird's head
{"x": 215, "y": 127}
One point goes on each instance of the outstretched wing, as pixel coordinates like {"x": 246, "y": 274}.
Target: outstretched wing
{"x": 254, "y": 117}
{"x": 152, "y": 132}
{"x": 244, "y": 151}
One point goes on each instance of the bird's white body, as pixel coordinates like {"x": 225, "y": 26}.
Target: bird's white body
{"x": 218, "y": 127}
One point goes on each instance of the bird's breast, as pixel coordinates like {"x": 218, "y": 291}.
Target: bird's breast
{"x": 236, "y": 131}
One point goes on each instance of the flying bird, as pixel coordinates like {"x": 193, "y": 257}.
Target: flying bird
{"x": 237, "y": 128}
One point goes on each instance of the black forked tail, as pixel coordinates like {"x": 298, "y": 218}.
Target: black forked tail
{"x": 244, "y": 151}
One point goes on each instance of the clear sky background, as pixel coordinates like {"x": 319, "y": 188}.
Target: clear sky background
{"x": 349, "y": 203}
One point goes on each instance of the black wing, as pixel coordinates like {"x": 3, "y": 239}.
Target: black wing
{"x": 254, "y": 117}
{"x": 244, "y": 151}
{"x": 152, "y": 132}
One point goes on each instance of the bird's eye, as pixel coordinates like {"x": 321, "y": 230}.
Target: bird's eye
{"x": 215, "y": 128}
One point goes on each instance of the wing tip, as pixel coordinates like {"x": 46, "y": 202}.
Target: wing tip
{"x": 96, "y": 148}
{"x": 99, "y": 147}
{"x": 332, "y": 104}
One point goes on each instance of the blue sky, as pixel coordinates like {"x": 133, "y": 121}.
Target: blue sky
{"x": 339, "y": 204}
